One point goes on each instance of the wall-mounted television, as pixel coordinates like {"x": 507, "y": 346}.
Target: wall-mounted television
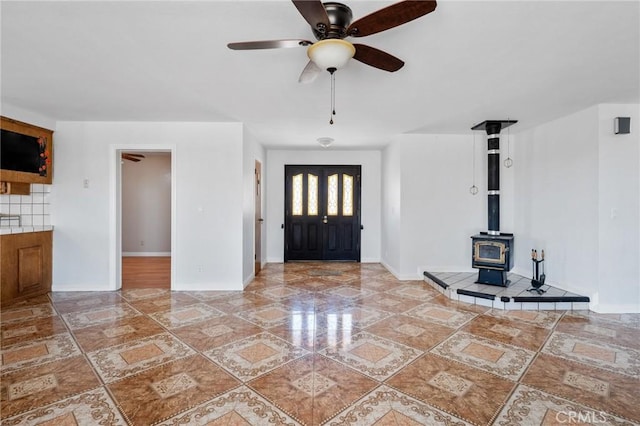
{"x": 21, "y": 153}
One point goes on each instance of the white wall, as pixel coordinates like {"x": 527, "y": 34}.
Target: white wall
{"x": 209, "y": 193}
{"x": 579, "y": 199}
{"x": 557, "y": 205}
{"x": 431, "y": 211}
{"x": 146, "y": 205}
{"x": 391, "y": 238}
{"x": 252, "y": 151}
{"x": 619, "y": 212}
{"x": 370, "y": 196}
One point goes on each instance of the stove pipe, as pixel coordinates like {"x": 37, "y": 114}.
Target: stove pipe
{"x": 493, "y": 178}
{"x": 493, "y": 128}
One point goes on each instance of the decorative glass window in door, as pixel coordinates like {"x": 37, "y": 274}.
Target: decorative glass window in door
{"x": 296, "y": 198}
{"x": 332, "y": 195}
{"x": 347, "y": 195}
{"x": 312, "y": 201}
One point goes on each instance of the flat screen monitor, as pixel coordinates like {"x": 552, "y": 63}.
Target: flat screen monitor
{"x": 19, "y": 152}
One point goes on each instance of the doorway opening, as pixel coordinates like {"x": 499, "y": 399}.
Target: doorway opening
{"x": 322, "y": 212}
{"x": 145, "y": 218}
{"x": 258, "y": 218}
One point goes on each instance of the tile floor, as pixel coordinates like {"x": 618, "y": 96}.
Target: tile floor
{"x": 313, "y": 344}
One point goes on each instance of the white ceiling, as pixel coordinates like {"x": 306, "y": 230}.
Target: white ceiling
{"x": 465, "y": 62}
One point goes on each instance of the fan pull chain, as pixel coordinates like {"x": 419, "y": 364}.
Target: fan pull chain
{"x": 333, "y": 94}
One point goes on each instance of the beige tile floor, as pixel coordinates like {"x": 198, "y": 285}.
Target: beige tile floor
{"x": 312, "y": 344}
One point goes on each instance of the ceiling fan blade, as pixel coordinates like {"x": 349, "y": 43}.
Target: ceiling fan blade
{"x": 134, "y": 155}
{"x": 390, "y": 16}
{"x": 130, "y": 158}
{"x": 309, "y": 73}
{"x": 313, "y": 12}
{"x": 377, "y": 58}
{"x": 267, "y": 44}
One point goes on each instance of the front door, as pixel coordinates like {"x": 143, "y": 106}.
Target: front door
{"x": 322, "y": 213}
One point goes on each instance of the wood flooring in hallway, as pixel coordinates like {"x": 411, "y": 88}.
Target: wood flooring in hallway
{"x": 146, "y": 272}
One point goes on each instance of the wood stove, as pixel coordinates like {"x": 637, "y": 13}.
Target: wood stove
{"x": 492, "y": 251}
{"x": 492, "y": 255}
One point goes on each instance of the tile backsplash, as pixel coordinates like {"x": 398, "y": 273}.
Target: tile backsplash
{"x": 33, "y": 209}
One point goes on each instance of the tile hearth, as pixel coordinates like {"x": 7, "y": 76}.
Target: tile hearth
{"x": 313, "y": 344}
{"x": 462, "y": 286}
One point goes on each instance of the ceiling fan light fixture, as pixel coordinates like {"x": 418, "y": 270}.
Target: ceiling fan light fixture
{"x": 331, "y": 53}
{"x": 325, "y": 142}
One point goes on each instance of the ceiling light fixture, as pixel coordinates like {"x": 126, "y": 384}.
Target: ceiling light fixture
{"x": 331, "y": 54}
{"x": 325, "y": 142}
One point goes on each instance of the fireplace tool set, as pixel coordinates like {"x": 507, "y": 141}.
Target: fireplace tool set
{"x": 537, "y": 280}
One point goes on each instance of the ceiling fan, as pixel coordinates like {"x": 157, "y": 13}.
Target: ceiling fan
{"x": 331, "y": 24}
{"x": 132, "y": 157}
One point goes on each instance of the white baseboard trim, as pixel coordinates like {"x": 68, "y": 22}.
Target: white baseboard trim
{"x": 207, "y": 287}
{"x": 435, "y": 268}
{"x": 146, "y": 253}
{"x": 401, "y": 277}
{"x": 80, "y": 287}
{"x": 607, "y": 308}
{"x": 248, "y": 280}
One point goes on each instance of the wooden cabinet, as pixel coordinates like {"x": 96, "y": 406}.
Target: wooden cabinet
{"x": 15, "y": 188}
{"x": 26, "y": 265}
{"x": 43, "y": 152}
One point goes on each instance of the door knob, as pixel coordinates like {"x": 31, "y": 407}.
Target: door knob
{"x": 324, "y": 219}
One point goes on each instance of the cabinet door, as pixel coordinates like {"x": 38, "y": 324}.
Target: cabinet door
{"x": 30, "y": 260}
{"x": 26, "y": 265}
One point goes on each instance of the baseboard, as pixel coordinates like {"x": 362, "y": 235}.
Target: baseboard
{"x": 146, "y": 253}
{"x": 608, "y": 308}
{"x": 207, "y": 287}
{"x": 248, "y": 281}
{"x": 435, "y": 268}
{"x": 70, "y": 287}
{"x": 400, "y": 277}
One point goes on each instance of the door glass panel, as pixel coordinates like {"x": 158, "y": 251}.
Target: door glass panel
{"x": 332, "y": 195}
{"x": 312, "y": 192}
{"x": 296, "y": 198}
{"x": 347, "y": 195}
